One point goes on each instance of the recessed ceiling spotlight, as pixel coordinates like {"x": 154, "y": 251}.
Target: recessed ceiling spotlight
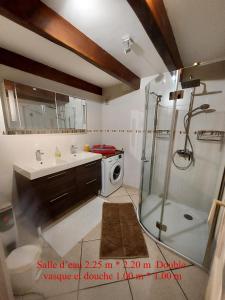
{"x": 127, "y": 43}
{"x": 197, "y": 63}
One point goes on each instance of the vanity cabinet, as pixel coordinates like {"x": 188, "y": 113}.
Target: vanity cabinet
{"x": 50, "y": 197}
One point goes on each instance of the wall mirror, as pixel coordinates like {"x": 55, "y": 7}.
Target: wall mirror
{"x": 28, "y": 109}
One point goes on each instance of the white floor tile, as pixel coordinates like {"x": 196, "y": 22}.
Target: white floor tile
{"x": 69, "y": 296}
{"x": 114, "y": 291}
{"x": 94, "y": 234}
{"x": 119, "y": 199}
{"x": 152, "y": 288}
{"x": 132, "y": 190}
{"x": 89, "y": 275}
{"x": 173, "y": 259}
{"x": 32, "y": 297}
{"x": 193, "y": 282}
{"x": 135, "y": 200}
{"x": 120, "y": 192}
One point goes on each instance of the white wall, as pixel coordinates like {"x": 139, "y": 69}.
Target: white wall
{"x": 122, "y": 124}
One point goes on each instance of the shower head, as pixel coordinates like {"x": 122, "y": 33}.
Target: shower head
{"x": 210, "y": 110}
{"x": 190, "y": 83}
{"x": 202, "y": 107}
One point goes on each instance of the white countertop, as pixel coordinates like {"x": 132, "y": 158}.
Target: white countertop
{"x": 33, "y": 170}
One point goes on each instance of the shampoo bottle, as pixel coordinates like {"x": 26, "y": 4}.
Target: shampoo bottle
{"x": 57, "y": 153}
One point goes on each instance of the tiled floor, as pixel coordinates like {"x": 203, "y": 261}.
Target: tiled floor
{"x": 124, "y": 277}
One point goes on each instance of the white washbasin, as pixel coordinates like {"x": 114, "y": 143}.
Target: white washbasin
{"x": 33, "y": 170}
{"x": 47, "y": 164}
{"x": 79, "y": 156}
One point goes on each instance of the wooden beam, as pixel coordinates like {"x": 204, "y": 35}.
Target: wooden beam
{"x": 25, "y": 64}
{"x": 50, "y": 25}
{"x": 153, "y": 17}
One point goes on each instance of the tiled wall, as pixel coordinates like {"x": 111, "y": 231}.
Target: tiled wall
{"x": 198, "y": 185}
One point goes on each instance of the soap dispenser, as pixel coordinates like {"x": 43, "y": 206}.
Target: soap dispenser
{"x": 57, "y": 153}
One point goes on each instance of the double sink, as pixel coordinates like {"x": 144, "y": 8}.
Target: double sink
{"x": 36, "y": 169}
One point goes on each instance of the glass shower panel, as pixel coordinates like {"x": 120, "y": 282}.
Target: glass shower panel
{"x": 183, "y": 158}
{"x": 155, "y": 150}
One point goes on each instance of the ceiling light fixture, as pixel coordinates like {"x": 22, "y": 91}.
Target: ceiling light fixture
{"x": 197, "y": 63}
{"x": 127, "y": 43}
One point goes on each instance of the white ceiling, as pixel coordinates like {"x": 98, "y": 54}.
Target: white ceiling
{"x": 29, "y": 44}
{"x": 198, "y": 25}
{"x": 199, "y": 28}
{"x": 106, "y": 22}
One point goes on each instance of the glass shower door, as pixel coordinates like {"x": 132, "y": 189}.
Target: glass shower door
{"x": 158, "y": 118}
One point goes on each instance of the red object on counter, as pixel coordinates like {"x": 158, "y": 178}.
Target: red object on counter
{"x": 103, "y": 149}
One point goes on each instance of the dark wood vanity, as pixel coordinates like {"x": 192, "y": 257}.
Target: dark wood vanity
{"x": 47, "y": 198}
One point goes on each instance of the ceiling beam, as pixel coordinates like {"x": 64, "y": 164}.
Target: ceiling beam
{"x": 25, "y": 64}
{"x": 21, "y": 8}
{"x": 47, "y": 23}
{"x": 153, "y": 17}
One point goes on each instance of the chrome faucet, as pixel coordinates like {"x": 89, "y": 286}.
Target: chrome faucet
{"x": 73, "y": 149}
{"x": 38, "y": 154}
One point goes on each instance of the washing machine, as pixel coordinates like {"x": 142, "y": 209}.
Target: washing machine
{"x": 112, "y": 174}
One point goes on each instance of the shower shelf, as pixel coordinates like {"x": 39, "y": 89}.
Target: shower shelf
{"x": 211, "y": 135}
{"x": 162, "y": 133}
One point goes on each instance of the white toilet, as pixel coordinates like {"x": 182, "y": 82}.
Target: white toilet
{"x": 22, "y": 266}
{"x": 22, "y": 261}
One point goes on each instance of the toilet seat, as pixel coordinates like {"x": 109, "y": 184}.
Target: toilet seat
{"x": 23, "y": 258}
{"x": 22, "y": 266}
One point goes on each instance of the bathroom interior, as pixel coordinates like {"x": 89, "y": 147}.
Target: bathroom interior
{"x": 112, "y": 105}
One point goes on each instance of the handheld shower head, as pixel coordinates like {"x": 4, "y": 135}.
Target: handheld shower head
{"x": 210, "y": 110}
{"x": 204, "y": 106}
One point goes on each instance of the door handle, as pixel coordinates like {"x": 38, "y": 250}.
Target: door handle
{"x": 145, "y": 160}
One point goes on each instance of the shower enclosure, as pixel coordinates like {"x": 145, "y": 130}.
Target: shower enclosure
{"x": 183, "y": 157}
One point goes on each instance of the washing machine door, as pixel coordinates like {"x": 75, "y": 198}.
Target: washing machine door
{"x": 116, "y": 173}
